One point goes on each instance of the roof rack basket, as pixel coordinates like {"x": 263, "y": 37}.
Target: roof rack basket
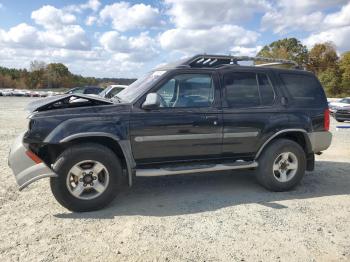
{"x": 223, "y": 60}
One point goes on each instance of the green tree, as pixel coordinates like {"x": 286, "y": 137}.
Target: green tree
{"x": 288, "y": 48}
{"x": 330, "y": 80}
{"x": 345, "y": 71}
{"x": 36, "y": 65}
{"x": 56, "y": 74}
{"x": 322, "y": 57}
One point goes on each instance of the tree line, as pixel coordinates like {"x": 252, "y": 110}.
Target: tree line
{"x": 50, "y": 76}
{"x": 333, "y": 70}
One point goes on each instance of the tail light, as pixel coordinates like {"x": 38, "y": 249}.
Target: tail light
{"x": 326, "y": 119}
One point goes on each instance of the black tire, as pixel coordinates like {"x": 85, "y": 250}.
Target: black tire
{"x": 265, "y": 174}
{"x": 341, "y": 121}
{"x": 71, "y": 157}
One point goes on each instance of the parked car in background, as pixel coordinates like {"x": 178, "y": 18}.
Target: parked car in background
{"x": 340, "y": 109}
{"x": 18, "y": 92}
{"x": 112, "y": 90}
{"x": 87, "y": 90}
{"x": 7, "y": 92}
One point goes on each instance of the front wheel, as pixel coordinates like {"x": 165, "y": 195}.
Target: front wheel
{"x": 282, "y": 165}
{"x": 88, "y": 179}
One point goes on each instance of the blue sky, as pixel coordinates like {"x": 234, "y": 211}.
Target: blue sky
{"x": 128, "y": 38}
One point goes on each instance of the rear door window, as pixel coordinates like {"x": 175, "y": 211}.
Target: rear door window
{"x": 248, "y": 89}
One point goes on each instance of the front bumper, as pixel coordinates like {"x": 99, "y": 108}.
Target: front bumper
{"x": 26, "y": 171}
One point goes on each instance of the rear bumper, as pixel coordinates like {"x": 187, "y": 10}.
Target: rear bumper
{"x": 26, "y": 171}
{"x": 320, "y": 141}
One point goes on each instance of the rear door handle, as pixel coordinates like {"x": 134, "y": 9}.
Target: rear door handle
{"x": 211, "y": 117}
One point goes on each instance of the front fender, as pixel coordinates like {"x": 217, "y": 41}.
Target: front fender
{"x": 112, "y": 126}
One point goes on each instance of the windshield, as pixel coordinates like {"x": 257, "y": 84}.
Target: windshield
{"x": 104, "y": 91}
{"x": 137, "y": 88}
{"x": 345, "y": 100}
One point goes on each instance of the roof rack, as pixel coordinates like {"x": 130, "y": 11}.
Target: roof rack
{"x": 224, "y": 60}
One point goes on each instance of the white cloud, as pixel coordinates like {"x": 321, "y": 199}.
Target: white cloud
{"x": 22, "y": 35}
{"x": 1, "y": 5}
{"x": 341, "y": 18}
{"x": 218, "y": 39}
{"x": 51, "y": 17}
{"x": 112, "y": 41}
{"x": 207, "y": 13}
{"x": 306, "y": 6}
{"x": 90, "y": 20}
{"x": 69, "y": 37}
{"x": 26, "y": 36}
{"x": 142, "y": 47}
{"x": 280, "y": 22}
{"x": 339, "y": 36}
{"x": 245, "y": 51}
{"x": 127, "y": 17}
{"x": 306, "y": 15}
{"x": 93, "y": 5}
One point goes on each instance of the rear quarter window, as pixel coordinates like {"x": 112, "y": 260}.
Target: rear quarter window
{"x": 304, "y": 90}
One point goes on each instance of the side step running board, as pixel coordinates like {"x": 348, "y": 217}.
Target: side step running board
{"x": 146, "y": 172}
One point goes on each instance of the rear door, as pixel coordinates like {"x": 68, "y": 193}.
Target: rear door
{"x": 188, "y": 126}
{"x": 250, "y": 108}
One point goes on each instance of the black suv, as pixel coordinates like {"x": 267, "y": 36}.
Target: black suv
{"x": 202, "y": 114}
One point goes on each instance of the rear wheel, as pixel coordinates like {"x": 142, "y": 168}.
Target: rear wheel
{"x": 88, "y": 177}
{"x": 282, "y": 165}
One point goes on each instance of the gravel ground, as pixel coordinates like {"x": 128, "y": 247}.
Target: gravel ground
{"x": 208, "y": 217}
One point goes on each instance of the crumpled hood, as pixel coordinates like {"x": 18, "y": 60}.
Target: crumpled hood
{"x": 66, "y": 101}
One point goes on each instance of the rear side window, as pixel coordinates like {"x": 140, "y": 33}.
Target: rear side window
{"x": 248, "y": 89}
{"x": 303, "y": 89}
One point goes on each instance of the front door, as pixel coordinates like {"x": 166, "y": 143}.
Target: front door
{"x": 187, "y": 125}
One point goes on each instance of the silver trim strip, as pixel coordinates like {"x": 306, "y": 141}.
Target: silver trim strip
{"x": 242, "y": 134}
{"x": 176, "y": 137}
{"x": 193, "y": 136}
{"x": 218, "y": 167}
{"x": 88, "y": 134}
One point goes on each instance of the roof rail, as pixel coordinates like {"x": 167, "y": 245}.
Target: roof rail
{"x": 221, "y": 60}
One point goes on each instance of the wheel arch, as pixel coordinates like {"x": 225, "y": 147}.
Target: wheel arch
{"x": 121, "y": 148}
{"x": 299, "y": 136}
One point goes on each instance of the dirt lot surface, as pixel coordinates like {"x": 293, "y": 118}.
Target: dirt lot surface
{"x": 203, "y": 217}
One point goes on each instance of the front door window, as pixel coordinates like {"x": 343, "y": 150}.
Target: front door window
{"x": 188, "y": 90}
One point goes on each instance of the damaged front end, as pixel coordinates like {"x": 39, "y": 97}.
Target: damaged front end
{"x": 23, "y": 159}
{"x": 67, "y": 101}
{"x": 26, "y": 165}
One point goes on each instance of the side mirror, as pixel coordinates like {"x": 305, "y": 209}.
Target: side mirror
{"x": 152, "y": 101}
